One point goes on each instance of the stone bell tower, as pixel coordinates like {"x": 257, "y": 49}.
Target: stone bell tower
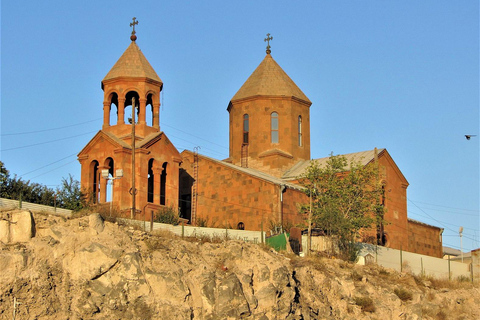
{"x": 149, "y": 161}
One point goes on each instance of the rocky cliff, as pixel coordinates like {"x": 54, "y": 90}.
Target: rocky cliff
{"x": 85, "y": 268}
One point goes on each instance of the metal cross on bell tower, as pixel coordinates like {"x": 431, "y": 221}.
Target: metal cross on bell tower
{"x": 267, "y": 40}
{"x": 133, "y": 37}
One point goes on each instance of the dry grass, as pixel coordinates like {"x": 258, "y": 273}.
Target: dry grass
{"x": 443, "y": 283}
{"x": 356, "y": 276}
{"x": 365, "y": 303}
{"x": 403, "y": 294}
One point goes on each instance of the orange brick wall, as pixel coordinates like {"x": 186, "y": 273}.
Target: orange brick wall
{"x": 259, "y": 111}
{"x": 227, "y": 196}
{"x": 100, "y": 148}
{"x": 395, "y": 203}
{"x": 424, "y": 239}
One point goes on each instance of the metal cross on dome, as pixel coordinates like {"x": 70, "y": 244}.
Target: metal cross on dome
{"x": 267, "y": 40}
{"x": 133, "y": 37}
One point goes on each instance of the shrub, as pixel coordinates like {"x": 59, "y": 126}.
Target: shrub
{"x": 167, "y": 215}
{"x": 365, "y": 303}
{"x": 356, "y": 276}
{"x": 403, "y": 294}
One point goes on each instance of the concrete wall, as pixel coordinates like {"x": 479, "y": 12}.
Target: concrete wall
{"x": 416, "y": 263}
{"x": 192, "y": 231}
{"x": 15, "y": 204}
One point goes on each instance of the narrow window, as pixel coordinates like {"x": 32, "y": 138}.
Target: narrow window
{"x": 163, "y": 184}
{"x": 274, "y": 126}
{"x": 151, "y": 180}
{"x": 299, "y": 131}
{"x": 245, "y": 128}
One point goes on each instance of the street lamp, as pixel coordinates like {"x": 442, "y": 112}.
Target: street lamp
{"x": 118, "y": 175}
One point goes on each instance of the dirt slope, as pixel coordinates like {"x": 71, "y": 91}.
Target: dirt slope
{"x": 85, "y": 269}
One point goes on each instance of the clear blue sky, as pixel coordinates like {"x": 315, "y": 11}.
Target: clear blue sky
{"x": 401, "y": 75}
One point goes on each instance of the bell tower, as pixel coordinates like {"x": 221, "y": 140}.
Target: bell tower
{"x": 131, "y": 142}
{"x": 269, "y": 120}
{"x": 131, "y": 77}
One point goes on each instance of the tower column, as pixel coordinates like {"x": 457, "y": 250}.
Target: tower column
{"x": 121, "y": 111}
{"x": 156, "y": 115}
{"x": 142, "y": 111}
{"x": 157, "y": 174}
{"x": 103, "y": 184}
{"x": 106, "y": 114}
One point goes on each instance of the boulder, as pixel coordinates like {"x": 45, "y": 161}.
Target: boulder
{"x": 22, "y": 227}
{"x": 5, "y": 231}
{"x": 95, "y": 221}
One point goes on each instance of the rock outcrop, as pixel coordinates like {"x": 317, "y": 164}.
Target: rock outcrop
{"x": 86, "y": 268}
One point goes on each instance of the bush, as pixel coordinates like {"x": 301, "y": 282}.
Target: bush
{"x": 403, "y": 294}
{"x": 167, "y": 215}
{"x": 365, "y": 303}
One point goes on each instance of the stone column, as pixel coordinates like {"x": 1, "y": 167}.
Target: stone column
{"x": 103, "y": 184}
{"x": 142, "y": 111}
{"x": 121, "y": 111}
{"x": 157, "y": 174}
{"x": 106, "y": 114}
{"x": 156, "y": 115}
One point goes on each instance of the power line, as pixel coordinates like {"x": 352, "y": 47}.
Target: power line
{"x": 437, "y": 205}
{"x": 47, "y": 165}
{"x": 163, "y": 124}
{"x": 41, "y": 143}
{"x": 51, "y": 129}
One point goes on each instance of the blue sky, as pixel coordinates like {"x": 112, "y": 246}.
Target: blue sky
{"x": 401, "y": 75}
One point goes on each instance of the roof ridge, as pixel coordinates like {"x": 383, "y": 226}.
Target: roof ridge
{"x": 132, "y": 63}
{"x": 269, "y": 79}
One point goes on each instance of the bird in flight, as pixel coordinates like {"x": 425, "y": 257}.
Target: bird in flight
{"x": 468, "y": 136}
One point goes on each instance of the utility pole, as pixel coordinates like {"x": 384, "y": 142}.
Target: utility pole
{"x": 133, "y": 190}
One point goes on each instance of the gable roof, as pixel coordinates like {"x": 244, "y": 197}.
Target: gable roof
{"x": 269, "y": 79}
{"x": 132, "y": 64}
{"x": 364, "y": 157}
{"x": 252, "y": 172}
{"x": 107, "y": 136}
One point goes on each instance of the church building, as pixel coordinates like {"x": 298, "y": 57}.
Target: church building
{"x": 255, "y": 188}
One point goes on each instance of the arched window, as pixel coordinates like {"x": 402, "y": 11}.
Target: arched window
{"x": 113, "y": 109}
{"x": 149, "y": 110}
{"x": 299, "y": 131}
{"x": 274, "y": 127}
{"x": 163, "y": 184}
{"x": 109, "y": 192}
{"x": 151, "y": 179}
{"x": 94, "y": 181}
{"x": 128, "y": 107}
{"x": 245, "y": 128}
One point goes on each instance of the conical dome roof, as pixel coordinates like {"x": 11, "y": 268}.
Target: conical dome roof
{"x": 269, "y": 79}
{"x": 132, "y": 64}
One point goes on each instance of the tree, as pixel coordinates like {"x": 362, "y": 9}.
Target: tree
{"x": 345, "y": 198}
{"x": 69, "y": 194}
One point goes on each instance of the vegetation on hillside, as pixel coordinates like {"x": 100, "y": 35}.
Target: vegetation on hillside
{"x": 68, "y": 195}
{"x": 345, "y": 198}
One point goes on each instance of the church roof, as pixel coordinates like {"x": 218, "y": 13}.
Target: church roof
{"x": 132, "y": 64}
{"x": 269, "y": 79}
{"x": 364, "y": 157}
{"x": 252, "y": 172}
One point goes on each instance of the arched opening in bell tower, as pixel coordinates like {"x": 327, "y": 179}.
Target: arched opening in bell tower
{"x": 113, "y": 120}
{"x": 149, "y": 110}
{"x": 128, "y": 107}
